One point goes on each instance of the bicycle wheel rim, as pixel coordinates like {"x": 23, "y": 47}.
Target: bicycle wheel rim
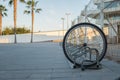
{"x": 78, "y": 26}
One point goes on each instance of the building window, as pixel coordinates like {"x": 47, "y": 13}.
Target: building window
{"x": 105, "y": 30}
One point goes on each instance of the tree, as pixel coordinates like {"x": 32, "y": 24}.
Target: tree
{"x": 14, "y": 2}
{"x": 31, "y": 8}
{"x": 20, "y": 30}
{"x": 2, "y": 14}
{"x": 7, "y": 31}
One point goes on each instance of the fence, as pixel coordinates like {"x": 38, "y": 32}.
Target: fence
{"x": 113, "y": 52}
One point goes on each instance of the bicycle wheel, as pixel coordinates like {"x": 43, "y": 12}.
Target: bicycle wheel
{"x": 79, "y": 42}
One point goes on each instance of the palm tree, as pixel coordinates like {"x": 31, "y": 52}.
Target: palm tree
{"x": 2, "y": 14}
{"x": 31, "y": 8}
{"x": 14, "y": 2}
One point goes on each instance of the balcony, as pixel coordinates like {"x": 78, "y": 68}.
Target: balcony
{"x": 95, "y": 13}
{"x": 98, "y": 1}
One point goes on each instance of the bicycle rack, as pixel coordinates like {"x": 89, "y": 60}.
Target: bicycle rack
{"x": 96, "y": 66}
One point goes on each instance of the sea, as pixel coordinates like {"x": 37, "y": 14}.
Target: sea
{"x": 26, "y": 38}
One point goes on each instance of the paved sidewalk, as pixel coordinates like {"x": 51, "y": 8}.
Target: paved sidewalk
{"x": 46, "y": 61}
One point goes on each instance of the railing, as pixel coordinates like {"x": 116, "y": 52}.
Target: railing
{"x": 113, "y": 52}
{"x": 37, "y": 37}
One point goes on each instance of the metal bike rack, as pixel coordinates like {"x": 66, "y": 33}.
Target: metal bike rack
{"x": 96, "y": 66}
{"x": 83, "y": 65}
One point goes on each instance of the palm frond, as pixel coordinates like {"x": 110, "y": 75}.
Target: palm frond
{"x": 10, "y": 2}
{"x": 31, "y": 5}
{"x": 2, "y": 7}
{"x": 29, "y": 12}
{"x": 38, "y": 10}
{"x": 35, "y": 3}
{"x": 26, "y": 12}
{"x": 23, "y": 1}
{"x": 29, "y": 2}
{"x": 5, "y": 14}
{"x": 5, "y": 9}
{"x": 2, "y": 10}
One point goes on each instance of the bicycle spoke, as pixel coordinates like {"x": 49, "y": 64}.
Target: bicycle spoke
{"x": 80, "y": 40}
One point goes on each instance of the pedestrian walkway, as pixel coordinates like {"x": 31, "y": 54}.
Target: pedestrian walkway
{"x": 46, "y": 61}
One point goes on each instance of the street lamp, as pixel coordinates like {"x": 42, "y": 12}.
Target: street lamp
{"x": 63, "y": 25}
{"x": 67, "y": 14}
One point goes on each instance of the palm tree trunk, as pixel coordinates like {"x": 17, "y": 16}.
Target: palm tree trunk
{"x": 15, "y": 19}
{"x": 32, "y": 14}
{"x": 0, "y": 23}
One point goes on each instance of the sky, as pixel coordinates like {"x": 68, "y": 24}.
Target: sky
{"x": 50, "y": 16}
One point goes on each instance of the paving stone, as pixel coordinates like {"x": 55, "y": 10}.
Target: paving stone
{"x": 46, "y": 61}
{"x": 42, "y": 75}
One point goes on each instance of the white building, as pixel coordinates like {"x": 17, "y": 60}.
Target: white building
{"x": 111, "y": 13}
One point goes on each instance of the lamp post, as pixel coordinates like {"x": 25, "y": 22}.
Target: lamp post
{"x": 101, "y": 14}
{"x": 67, "y": 14}
{"x": 63, "y": 25}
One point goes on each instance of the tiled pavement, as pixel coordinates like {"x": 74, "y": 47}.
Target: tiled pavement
{"x": 46, "y": 61}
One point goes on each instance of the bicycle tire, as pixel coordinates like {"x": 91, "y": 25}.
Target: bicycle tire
{"x": 101, "y": 56}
